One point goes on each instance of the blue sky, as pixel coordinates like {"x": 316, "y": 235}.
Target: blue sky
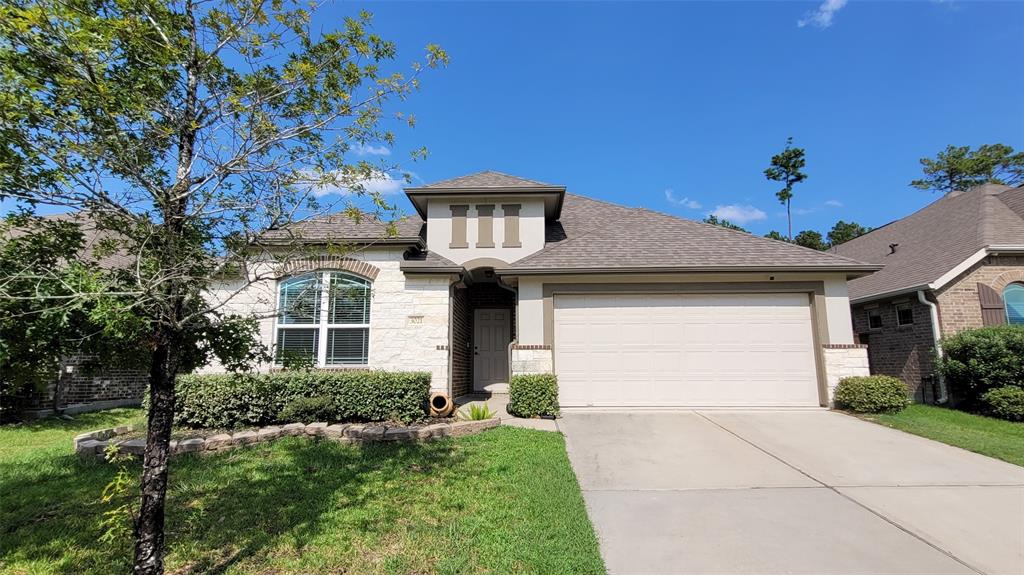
{"x": 678, "y": 106}
{"x": 623, "y": 101}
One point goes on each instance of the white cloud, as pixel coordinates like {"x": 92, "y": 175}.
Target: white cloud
{"x": 738, "y": 214}
{"x": 834, "y": 203}
{"x": 802, "y": 211}
{"x": 822, "y": 16}
{"x": 370, "y": 150}
{"x": 685, "y": 202}
{"x": 381, "y": 183}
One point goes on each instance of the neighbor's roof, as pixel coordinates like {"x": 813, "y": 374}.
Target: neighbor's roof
{"x": 93, "y": 239}
{"x": 342, "y": 228}
{"x": 937, "y": 238}
{"x": 596, "y": 236}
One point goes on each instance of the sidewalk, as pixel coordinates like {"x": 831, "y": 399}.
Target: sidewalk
{"x": 498, "y": 403}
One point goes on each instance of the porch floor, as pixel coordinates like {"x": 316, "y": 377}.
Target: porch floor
{"x": 498, "y": 402}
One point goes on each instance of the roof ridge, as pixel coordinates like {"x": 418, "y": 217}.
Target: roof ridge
{"x": 752, "y": 235}
{"x": 572, "y": 241}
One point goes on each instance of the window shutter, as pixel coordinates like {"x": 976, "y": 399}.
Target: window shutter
{"x": 992, "y": 310}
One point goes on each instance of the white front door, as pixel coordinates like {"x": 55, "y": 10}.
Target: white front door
{"x": 491, "y": 336}
{"x": 685, "y": 350}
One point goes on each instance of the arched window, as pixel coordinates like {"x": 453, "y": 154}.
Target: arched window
{"x": 306, "y": 334}
{"x": 1013, "y": 299}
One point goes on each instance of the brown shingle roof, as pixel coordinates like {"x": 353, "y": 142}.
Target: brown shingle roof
{"x": 342, "y": 228}
{"x": 487, "y": 179}
{"x": 937, "y": 238}
{"x": 597, "y": 235}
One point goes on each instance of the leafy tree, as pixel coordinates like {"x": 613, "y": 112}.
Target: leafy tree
{"x": 185, "y": 129}
{"x": 959, "y": 168}
{"x": 843, "y": 232}
{"x": 786, "y": 168}
{"x": 34, "y": 334}
{"x": 715, "y": 221}
{"x": 810, "y": 239}
{"x": 774, "y": 235}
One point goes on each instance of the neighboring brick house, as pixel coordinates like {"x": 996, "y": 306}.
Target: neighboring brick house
{"x": 956, "y": 264}
{"x": 84, "y": 383}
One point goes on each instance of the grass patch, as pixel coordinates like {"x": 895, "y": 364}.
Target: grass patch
{"x": 503, "y": 501}
{"x": 985, "y": 435}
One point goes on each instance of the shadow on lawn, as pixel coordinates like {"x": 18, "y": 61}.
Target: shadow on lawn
{"x": 222, "y": 509}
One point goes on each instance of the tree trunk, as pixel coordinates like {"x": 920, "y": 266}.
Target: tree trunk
{"x": 149, "y": 528}
{"x": 789, "y": 220}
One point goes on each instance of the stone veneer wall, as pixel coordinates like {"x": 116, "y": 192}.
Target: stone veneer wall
{"x": 904, "y": 352}
{"x": 959, "y": 306}
{"x": 528, "y": 359}
{"x": 844, "y": 360}
{"x": 408, "y": 314}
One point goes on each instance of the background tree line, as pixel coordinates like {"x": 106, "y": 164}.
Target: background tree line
{"x": 957, "y": 168}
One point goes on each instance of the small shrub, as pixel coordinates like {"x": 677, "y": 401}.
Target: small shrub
{"x": 477, "y": 412}
{"x": 872, "y": 394}
{"x": 1005, "y": 402}
{"x": 977, "y": 360}
{"x": 533, "y": 395}
{"x": 292, "y": 360}
{"x": 309, "y": 409}
{"x": 240, "y": 399}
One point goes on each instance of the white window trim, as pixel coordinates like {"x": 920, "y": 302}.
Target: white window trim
{"x": 321, "y": 324}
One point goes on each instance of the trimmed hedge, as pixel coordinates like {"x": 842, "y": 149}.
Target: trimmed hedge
{"x": 978, "y": 360}
{"x": 872, "y": 394}
{"x": 1005, "y": 402}
{"x": 231, "y": 400}
{"x": 533, "y": 395}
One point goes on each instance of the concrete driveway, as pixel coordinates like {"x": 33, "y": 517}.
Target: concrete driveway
{"x": 812, "y": 492}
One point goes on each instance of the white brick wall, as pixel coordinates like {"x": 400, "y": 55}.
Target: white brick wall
{"x": 408, "y": 315}
{"x": 531, "y": 361}
{"x": 844, "y": 361}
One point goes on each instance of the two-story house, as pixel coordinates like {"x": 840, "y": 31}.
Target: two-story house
{"x": 497, "y": 275}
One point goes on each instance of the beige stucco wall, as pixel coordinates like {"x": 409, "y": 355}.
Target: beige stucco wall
{"x": 439, "y": 228}
{"x": 408, "y": 314}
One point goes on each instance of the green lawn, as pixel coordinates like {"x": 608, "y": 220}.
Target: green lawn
{"x": 985, "y": 435}
{"x": 503, "y": 501}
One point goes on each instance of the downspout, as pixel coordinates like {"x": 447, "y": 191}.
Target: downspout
{"x": 513, "y": 342}
{"x": 936, "y": 335}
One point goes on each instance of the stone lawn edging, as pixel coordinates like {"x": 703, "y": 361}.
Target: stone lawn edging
{"x": 95, "y": 443}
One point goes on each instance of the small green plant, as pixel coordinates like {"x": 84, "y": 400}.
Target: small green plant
{"x": 118, "y": 522}
{"x": 309, "y": 409}
{"x": 475, "y": 412}
{"x": 872, "y": 394}
{"x": 533, "y": 395}
{"x": 1005, "y": 402}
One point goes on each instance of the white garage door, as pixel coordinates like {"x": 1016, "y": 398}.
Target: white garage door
{"x": 685, "y": 350}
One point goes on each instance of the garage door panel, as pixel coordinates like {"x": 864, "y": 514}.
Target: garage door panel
{"x": 707, "y": 349}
